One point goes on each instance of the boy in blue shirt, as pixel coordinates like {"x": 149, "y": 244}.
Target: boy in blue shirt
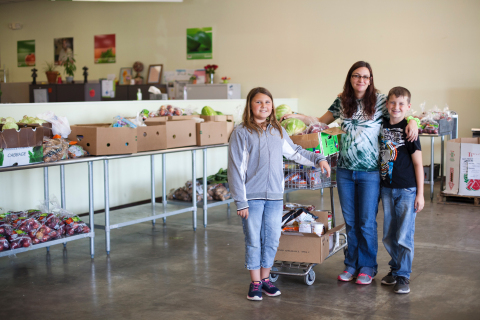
{"x": 401, "y": 189}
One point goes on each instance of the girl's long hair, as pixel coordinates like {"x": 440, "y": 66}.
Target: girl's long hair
{"x": 248, "y": 119}
{"x": 348, "y": 98}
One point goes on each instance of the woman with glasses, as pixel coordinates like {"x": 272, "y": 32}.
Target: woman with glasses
{"x": 360, "y": 107}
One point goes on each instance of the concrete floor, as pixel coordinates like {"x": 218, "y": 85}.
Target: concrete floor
{"x": 171, "y": 272}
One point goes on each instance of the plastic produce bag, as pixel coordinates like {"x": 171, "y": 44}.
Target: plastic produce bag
{"x": 4, "y": 245}
{"x": 76, "y": 151}
{"x": 60, "y": 125}
{"x": 55, "y": 149}
{"x": 19, "y": 239}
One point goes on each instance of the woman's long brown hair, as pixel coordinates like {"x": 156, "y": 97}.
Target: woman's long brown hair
{"x": 348, "y": 98}
{"x": 248, "y": 119}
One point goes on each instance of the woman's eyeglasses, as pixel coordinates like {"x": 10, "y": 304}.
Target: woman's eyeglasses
{"x": 358, "y": 77}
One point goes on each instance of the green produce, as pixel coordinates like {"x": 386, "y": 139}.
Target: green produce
{"x": 10, "y": 125}
{"x": 219, "y": 113}
{"x": 282, "y": 110}
{"x": 8, "y": 119}
{"x": 145, "y": 113}
{"x": 208, "y": 111}
{"x": 293, "y": 126}
{"x": 39, "y": 121}
{"x": 219, "y": 177}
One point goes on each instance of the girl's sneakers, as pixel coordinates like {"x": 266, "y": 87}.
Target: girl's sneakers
{"x": 345, "y": 276}
{"x": 269, "y": 289}
{"x": 363, "y": 278}
{"x": 255, "y": 291}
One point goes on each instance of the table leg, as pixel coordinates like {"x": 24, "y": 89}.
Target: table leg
{"x": 90, "y": 207}
{"x": 152, "y": 180}
{"x": 107, "y": 205}
{"x": 62, "y": 191}
{"x": 332, "y": 204}
{"x": 194, "y": 191}
{"x": 46, "y": 192}
{"x": 205, "y": 194}
{"x": 441, "y": 164}
{"x": 431, "y": 168}
{"x": 164, "y": 184}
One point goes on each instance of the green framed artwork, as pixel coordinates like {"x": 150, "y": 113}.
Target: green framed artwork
{"x": 26, "y": 53}
{"x": 199, "y": 43}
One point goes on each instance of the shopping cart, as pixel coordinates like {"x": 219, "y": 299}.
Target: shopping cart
{"x": 299, "y": 177}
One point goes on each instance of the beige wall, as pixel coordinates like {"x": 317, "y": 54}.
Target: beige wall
{"x": 298, "y": 49}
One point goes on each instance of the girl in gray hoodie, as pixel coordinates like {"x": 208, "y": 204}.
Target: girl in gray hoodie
{"x": 256, "y": 180}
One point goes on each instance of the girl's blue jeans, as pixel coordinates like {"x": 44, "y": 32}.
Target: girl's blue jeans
{"x": 359, "y": 194}
{"x": 399, "y": 228}
{"x": 262, "y": 232}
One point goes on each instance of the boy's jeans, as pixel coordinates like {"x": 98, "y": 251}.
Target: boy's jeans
{"x": 359, "y": 193}
{"x": 399, "y": 228}
{"x": 262, "y": 232}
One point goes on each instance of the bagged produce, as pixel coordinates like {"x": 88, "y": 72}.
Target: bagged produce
{"x": 6, "y": 228}
{"x": 76, "y": 151}
{"x": 169, "y": 110}
{"x": 74, "y": 225}
{"x": 55, "y": 149}
{"x": 293, "y": 126}
{"x": 221, "y": 193}
{"x": 19, "y": 239}
{"x": 4, "y": 245}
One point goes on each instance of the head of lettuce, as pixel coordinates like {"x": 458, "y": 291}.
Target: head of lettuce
{"x": 293, "y": 126}
{"x": 282, "y": 110}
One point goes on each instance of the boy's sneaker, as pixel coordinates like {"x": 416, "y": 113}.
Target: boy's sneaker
{"x": 255, "y": 291}
{"x": 389, "y": 279}
{"x": 402, "y": 285}
{"x": 345, "y": 276}
{"x": 363, "y": 278}
{"x": 269, "y": 289}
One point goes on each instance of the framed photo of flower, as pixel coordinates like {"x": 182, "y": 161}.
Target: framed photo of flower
{"x": 125, "y": 75}
{"x": 155, "y": 73}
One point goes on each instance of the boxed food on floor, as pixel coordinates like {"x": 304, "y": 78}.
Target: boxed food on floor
{"x": 212, "y": 132}
{"x": 307, "y": 247}
{"x": 426, "y": 171}
{"x": 463, "y": 167}
{"x": 171, "y": 134}
{"x": 326, "y": 141}
{"x": 22, "y": 147}
{"x": 102, "y": 139}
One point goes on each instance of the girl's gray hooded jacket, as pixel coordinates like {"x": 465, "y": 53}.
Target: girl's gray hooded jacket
{"x": 255, "y": 164}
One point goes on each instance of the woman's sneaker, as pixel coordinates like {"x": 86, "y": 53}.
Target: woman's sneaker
{"x": 255, "y": 291}
{"x": 269, "y": 289}
{"x": 345, "y": 276}
{"x": 364, "y": 278}
{"x": 402, "y": 285}
{"x": 389, "y": 279}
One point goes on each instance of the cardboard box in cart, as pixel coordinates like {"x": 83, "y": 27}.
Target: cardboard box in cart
{"x": 102, "y": 139}
{"x": 306, "y": 247}
{"x": 463, "y": 167}
{"x": 22, "y": 147}
{"x": 326, "y": 141}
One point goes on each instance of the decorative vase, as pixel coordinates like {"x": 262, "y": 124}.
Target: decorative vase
{"x": 225, "y": 81}
{"x": 210, "y": 78}
{"x": 69, "y": 79}
{"x": 52, "y": 76}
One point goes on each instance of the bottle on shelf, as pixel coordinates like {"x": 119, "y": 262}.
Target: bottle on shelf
{"x": 139, "y": 94}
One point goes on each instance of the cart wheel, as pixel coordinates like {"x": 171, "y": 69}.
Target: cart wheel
{"x": 274, "y": 277}
{"x": 310, "y": 278}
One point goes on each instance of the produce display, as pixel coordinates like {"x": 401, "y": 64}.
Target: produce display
{"x": 429, "y": 120}
{"x": 55, "y": 149}
{"x": 23, "y": 229}
{"x": 165, "y": 110}
{"x": 282, "y": 110}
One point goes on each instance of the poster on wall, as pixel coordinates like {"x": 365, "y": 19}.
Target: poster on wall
{"x": 105, "y": 48}
{"x": 199, "y": 43}
{"x": 63, "y": 48}
{"x": 26, "y": 53}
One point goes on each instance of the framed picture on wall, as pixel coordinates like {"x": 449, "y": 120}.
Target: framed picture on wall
{"x": 125, "y": 75}
{"x": 154, "y": 73}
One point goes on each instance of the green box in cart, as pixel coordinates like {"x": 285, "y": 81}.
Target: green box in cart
{"x": 325, "y": 141}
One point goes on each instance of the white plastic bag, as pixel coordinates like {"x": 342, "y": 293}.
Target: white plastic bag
{"x": 60, "y": 124}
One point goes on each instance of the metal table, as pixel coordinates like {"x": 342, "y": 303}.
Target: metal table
{"x": 432, "y": 140}
{"x": 61, "y": 164}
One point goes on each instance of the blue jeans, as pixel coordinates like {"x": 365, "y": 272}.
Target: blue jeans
{"x": 359, "y": 193}
{"x": 262, "y": 232}
{"x": 399, "y": 228}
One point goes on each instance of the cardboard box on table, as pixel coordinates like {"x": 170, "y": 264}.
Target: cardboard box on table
{"x": 156, "y": 119}
{"x": 325, "y": 141}
{"x": 22, "y": 147}
{"x": 212, "y": 132}
{"x": 102, "y": 139}
{"x": 181, "y": 118}
{"x": 463, "y": 167}
{"x": 166, "y": 135}
{"x": 306, "y": 247}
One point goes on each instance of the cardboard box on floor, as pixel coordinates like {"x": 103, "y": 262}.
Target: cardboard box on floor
{"x": 326, "y": 141}
{"x": 463, "y": 167}
{"x": 306, "y": 247}
{"x": 102, "y": 139}
{"x": 171, "y": 134}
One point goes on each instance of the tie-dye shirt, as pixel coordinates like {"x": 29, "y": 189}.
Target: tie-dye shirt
{"x": 360, "y": 146}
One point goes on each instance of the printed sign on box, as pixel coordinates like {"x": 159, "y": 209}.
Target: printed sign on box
{"x": 463, "y": 167}
{"x": 20, "y": 156}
